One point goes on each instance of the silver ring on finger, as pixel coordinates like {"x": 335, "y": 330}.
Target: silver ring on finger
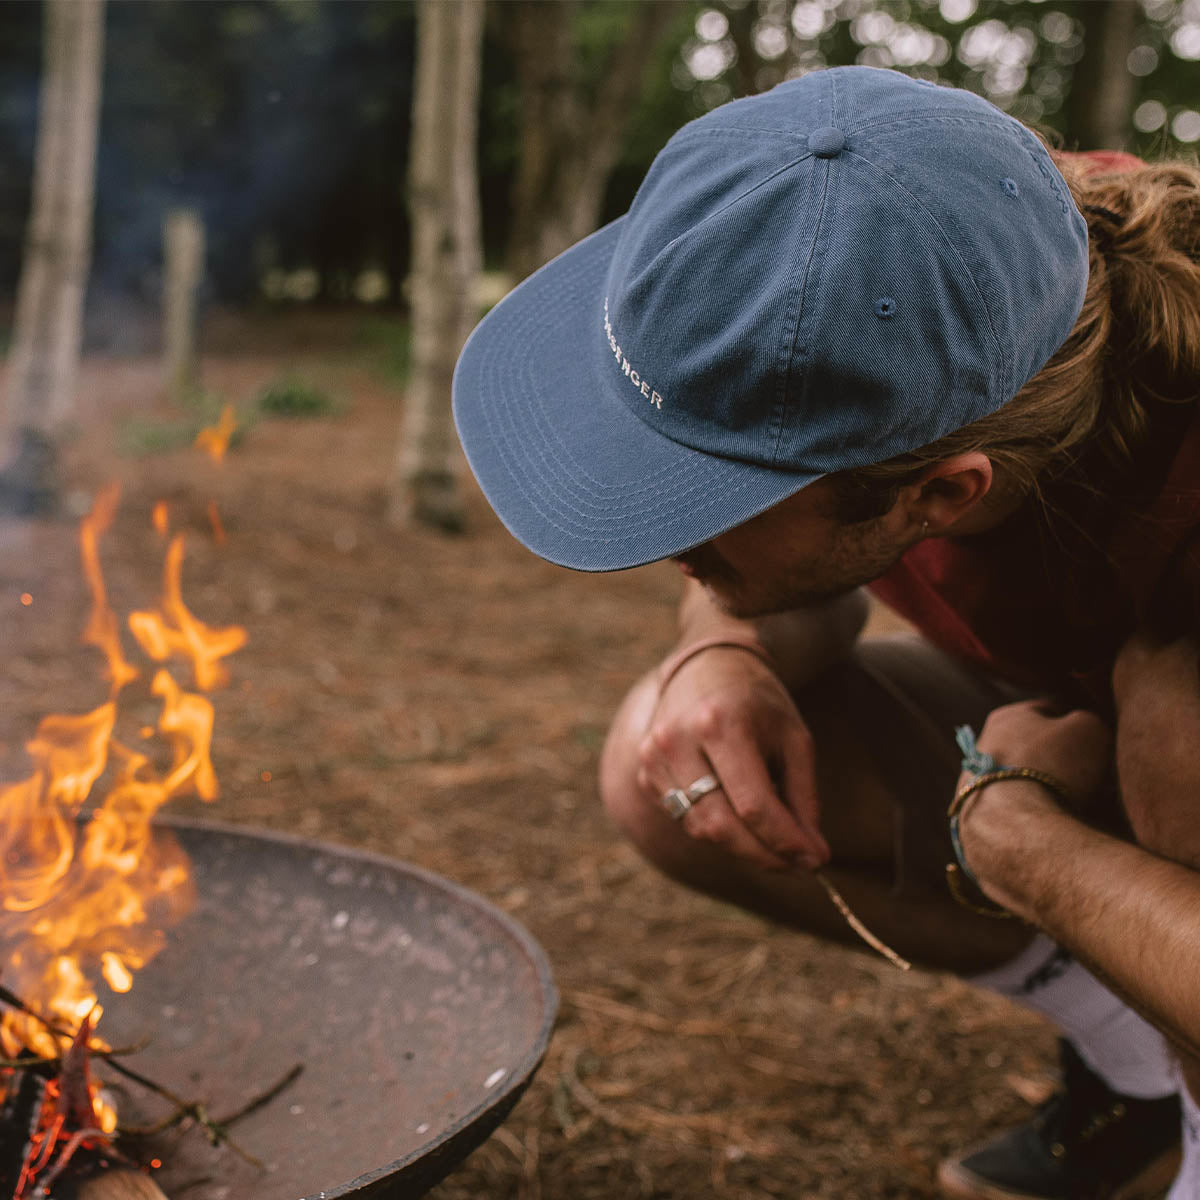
{"x": 678, "y": 802}
{"x": 700, "y": 788}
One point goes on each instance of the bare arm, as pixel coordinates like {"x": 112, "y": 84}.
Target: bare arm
{"x": 803, "y": 642}
{"x": 1131, "y": 915}
{"x": 1132, "y": 912}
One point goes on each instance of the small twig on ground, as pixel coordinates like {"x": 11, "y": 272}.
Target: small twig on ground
{"x": 264, "y": 1097}
{"x": 692, "y": 1027}
{"x": 217, "y": 1130}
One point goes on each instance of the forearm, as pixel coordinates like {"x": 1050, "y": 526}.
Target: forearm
{"x": 1131, "y": 915}
{"x": 802, "y": 642}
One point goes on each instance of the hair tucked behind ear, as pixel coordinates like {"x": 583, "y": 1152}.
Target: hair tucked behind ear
{"x": 1135, "y": 346}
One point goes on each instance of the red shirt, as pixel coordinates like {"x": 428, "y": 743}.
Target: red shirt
{"x": 1046, "y": 601}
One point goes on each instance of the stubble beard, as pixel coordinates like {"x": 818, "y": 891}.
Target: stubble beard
{"x": 863, "y": 554}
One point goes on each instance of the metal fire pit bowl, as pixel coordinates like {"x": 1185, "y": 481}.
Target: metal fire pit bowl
{"x": 419, "y": 1011}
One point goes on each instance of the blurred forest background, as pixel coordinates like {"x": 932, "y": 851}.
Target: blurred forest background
{"x": 287, "y": 122}
{"x": 444, "y": 700}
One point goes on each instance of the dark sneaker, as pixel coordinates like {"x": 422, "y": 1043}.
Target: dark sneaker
{"x": 1086, "y": 1142}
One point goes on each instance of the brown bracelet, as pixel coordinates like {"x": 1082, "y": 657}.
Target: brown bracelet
{"x": 958, "y": 872}
{"x": 1047, "y": 781}
{"x": 672, "y": 665}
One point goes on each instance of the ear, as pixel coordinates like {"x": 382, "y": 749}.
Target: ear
{"x": 948, "y": 493}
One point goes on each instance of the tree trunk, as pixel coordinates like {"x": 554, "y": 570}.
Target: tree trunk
{"x": 48, "y": 329}
{"x": 1102, "y": 88}
{"x": 569, "y": 145}
{"x": 183, "y": 272}
{"x": 446, "y": 255}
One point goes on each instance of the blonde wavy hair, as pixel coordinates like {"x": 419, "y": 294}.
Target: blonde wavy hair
{"x": 1134, "y": 348}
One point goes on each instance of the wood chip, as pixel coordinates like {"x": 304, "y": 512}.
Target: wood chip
{"x": 119, "y": 1184}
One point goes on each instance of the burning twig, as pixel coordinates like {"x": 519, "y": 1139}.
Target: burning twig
{"x": 74, "y": 1091}
{"x": 81, "y": 1137}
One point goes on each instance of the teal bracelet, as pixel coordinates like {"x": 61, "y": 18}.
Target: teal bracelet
{"x": 977, "y": 763}
{"x": 985, "y": 770}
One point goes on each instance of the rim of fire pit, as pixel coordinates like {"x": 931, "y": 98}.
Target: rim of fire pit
{"x": 500, "y": 1101}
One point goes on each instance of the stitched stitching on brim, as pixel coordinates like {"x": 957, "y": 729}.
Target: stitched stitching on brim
{"x": 539, "y": 476}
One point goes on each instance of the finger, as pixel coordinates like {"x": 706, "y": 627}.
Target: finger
{"x": 666, "y": 764}
{"x": 798, "y": 780}
{"x": 712, "y": 819}
{"x": 753, "y": 796}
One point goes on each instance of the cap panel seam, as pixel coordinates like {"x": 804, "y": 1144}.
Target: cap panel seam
{"x": 788, "y": 344}
{"x": 686, "y": 135}
{"x": 953, "y": 243}
{"x": 930, "y": 118}
{"x": 712, "y": 216}
{"x": 835, "y": 99}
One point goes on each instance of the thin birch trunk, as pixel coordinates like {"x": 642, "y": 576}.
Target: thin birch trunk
{"x": 570, "y": 141}
{"x": 446, "y": 255}
{"x": 48, "y": 329}
{"x": 183, "y": 272}
{"x": 1102, "y": 89}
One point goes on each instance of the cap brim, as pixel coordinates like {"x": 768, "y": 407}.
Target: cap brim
{"x": 572, "y": 472}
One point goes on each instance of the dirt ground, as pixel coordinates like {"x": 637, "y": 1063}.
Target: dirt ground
{"x": 444, "y": 701}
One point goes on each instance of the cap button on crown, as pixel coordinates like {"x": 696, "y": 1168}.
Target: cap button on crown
{"x": 827, "y": 142}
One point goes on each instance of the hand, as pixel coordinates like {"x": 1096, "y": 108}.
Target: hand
{"x": 1075, "y": 747}
{"x": 727, "y": 714}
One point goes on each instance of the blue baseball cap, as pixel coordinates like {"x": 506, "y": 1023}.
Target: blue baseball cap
{"x": 837, "y": 271}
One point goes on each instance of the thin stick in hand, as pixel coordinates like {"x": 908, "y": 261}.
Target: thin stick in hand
{"x": 858, "y": 927}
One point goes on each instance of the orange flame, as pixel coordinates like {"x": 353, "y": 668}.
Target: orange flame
{"x": 80, "y": 900}
{"x": 160, "y": 518}
{"x": 101, "y": 627}
{"x": 173, "y": 629}
{"x": 214, "y": 439}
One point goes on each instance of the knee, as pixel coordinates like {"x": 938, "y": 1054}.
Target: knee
{"x": 619, "y": 790}
{"x": 632, "y": 810}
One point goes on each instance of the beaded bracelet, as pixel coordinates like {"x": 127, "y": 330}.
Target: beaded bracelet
{"x": 988, "y": 771}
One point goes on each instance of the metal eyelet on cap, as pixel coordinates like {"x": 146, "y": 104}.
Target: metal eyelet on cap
{"x": 1010, "y": 186}
{"x": 885, "y": 307}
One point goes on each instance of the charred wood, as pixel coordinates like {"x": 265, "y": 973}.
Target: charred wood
{"x": 19, "y": 1114}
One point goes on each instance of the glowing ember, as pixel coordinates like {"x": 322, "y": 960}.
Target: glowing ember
{"x": 214, "y": 440}
{"x": 85, "y": 899}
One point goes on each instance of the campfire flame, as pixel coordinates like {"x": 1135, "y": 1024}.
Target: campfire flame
{"x": 214, "y": 439}
{"x": 86, "y": 899}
